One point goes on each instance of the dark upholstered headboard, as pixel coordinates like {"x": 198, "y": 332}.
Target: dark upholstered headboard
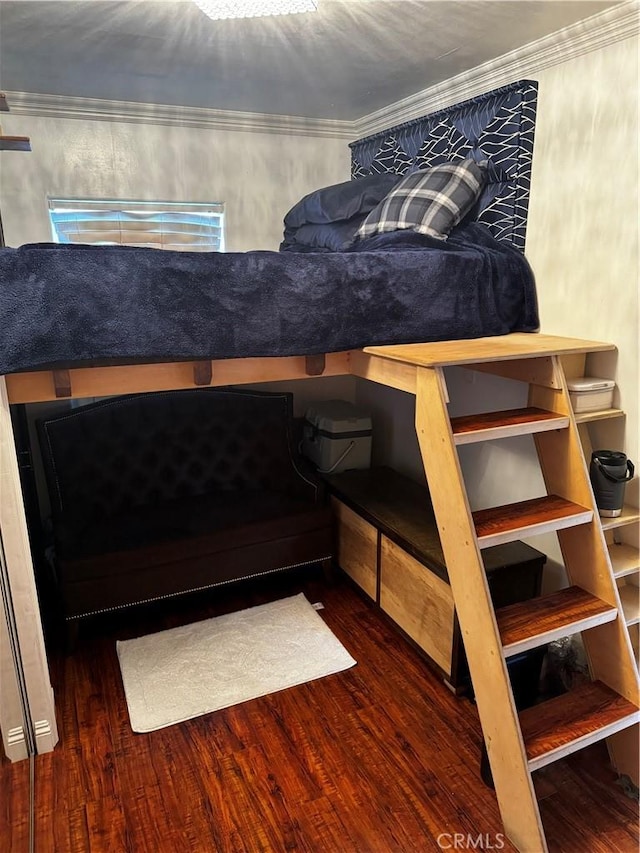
{"x": 142, "y": 450}
{"x": 497, "y": 126}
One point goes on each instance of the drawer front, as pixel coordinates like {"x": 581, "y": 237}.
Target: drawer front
{"x": 418, "y": 601}
{"x": 357, "y": 548}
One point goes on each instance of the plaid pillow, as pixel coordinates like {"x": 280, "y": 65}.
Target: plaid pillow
{"x": 430, "y": 202}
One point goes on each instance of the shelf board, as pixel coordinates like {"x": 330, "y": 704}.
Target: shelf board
{"x": 15, "y": 143}
{"x": 629, "y": 515}
{"x": 599, "y": 415}
{"x": 625, "y": 559}
{"x": 630, "y": 597}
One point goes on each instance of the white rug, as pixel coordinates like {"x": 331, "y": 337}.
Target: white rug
{"x": 185, "y": 672}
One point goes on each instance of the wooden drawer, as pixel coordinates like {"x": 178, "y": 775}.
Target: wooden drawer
{"x": 357, "y": 548}
{"x": 413, "y": 587}
{"x": 418, "y": 601}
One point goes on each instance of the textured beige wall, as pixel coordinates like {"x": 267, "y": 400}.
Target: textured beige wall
{"x": 259, "y": 176}
{"x": 582, "y": 242}
{"x": 583, "y": 219}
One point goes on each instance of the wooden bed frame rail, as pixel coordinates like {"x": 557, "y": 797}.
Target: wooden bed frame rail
{"x": 78, "y": 382}
{"x": 394, "y": 366}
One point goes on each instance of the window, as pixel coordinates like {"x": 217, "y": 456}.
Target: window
{"x": 150, "y": 224}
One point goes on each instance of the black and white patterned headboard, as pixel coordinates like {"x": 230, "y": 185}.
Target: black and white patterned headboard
{"x": 497, "y": 126}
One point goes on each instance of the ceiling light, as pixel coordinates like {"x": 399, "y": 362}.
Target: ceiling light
{"x": 218, "y": 9}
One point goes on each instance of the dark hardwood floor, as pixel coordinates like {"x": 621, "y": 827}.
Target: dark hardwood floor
{"x": 381, "y": 758}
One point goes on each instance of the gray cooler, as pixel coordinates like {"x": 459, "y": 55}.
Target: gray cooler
{"x": 337, "y": 436}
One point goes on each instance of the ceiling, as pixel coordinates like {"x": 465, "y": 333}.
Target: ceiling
{"x": 344, "y": 61}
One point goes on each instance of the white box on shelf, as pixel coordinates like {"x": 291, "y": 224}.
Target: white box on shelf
{"x": 590, "y": 393}
{"x": 337, "y": 436}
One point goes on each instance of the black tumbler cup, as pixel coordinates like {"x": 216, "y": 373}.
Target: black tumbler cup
{"x": 609, "y": 471}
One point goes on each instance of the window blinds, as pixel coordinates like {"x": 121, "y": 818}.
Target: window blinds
{"x": 158, "y": 225}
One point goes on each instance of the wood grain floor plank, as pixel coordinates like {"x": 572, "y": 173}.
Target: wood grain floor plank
{"x": 573, "y": 823}
{"x": 14, "y": 800}
{"x": 14, "y": 834}
{"x": 151, "y": 826}
{"x": 381, "y": 758}
{"x": 62, "y": 829}
{"x": 107, "y": 826}
{"x": 186, "y": 800}
{"x": 276, "y": 804}
{"x": 321, "y": 822}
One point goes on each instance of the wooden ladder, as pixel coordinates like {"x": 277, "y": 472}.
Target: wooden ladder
{"x": 607, "y": 707}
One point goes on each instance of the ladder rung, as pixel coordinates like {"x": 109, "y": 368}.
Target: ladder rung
{"x": 491, "y": 425}
{"x": 500, "y": 524}
{"x": 531, "y": 623}
{"x": 563, "y": 725}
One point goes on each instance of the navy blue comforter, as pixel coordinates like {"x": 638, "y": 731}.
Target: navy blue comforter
{"x": 73, "y": 305}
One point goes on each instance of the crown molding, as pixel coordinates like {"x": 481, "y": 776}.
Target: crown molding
{"x": 95, "y": 109}
{"x": 598, "y": 31}
{"x": 593, "y": 33}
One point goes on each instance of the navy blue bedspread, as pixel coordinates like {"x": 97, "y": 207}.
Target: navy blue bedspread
{"x": 64, "y": 305}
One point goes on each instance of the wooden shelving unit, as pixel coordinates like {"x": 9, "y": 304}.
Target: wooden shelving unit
{"x": 622, "y": 533}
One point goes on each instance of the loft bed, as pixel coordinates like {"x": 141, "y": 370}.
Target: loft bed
{"x": 82, "y": 321}
{"x": 43, "y": 358}
{"x": 71, "y": 307}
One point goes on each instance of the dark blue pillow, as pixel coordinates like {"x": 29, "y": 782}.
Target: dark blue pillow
{"x": 341, "y": 201}
{"x": 328, "y": 237}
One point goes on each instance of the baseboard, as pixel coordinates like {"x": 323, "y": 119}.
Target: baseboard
{"x": 15, "y": 744}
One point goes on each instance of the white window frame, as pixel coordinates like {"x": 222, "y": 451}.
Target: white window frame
{"x": 188, "y": 226}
